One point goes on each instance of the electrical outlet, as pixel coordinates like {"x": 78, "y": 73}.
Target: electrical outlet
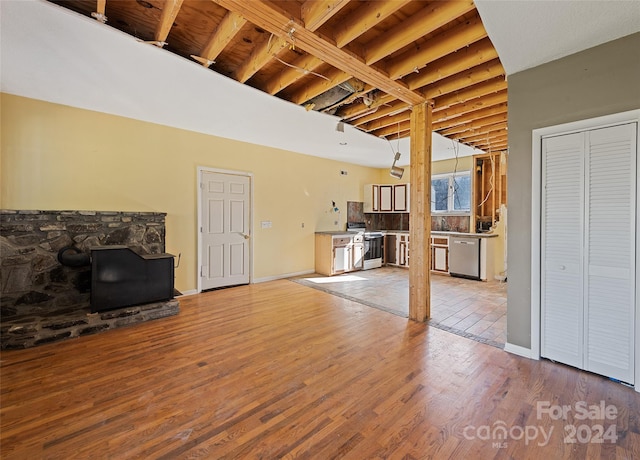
{"x": 343, "y": 172}
{"x": 302, "y": 224}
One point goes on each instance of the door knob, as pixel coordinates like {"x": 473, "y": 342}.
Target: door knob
{"x": 244, "y": 235}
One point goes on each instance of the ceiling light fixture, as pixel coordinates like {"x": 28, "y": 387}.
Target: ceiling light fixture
{"x": 396, "y": 171}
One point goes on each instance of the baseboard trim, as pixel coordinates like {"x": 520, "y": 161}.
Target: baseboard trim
{"x": 189, "y": 292}
{"x": 279, "y": 277}
{"x": 518, "y": 350}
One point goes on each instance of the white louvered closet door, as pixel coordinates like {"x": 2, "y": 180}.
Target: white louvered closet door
{"x": 562, "y": 313}
{"x": 588, "y": 256}
{"x": 610, "y": 250}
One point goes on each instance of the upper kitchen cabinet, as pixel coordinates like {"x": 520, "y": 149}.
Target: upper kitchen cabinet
{"x": 489, "y": 190}
{"x": 386, "y": 198}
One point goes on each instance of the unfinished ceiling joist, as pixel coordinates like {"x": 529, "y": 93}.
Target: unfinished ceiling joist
{"x": 281, "y": 25}
{"x": 308, "y": 52}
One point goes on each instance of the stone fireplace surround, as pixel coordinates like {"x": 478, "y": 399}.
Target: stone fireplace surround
{"x": 41, "y": 300}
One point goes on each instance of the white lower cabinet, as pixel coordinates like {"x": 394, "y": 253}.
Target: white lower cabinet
{"x": 440, "y": 254}
{"x": 336, "y": 254}
{"x": 588, "y": 265}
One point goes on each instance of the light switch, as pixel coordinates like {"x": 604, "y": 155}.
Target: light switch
{"x": 266, "y": 224}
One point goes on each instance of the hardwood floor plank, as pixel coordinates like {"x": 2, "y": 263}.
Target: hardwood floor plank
{"x": 280, "y": 370}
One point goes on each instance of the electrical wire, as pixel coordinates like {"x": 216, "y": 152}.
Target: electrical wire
{"x": 300, "y": 69}
{"x": 491, "y": 179}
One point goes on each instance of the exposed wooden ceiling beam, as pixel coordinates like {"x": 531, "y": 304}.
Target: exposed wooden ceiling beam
{"x": 307, "y": 64}
{"x": 277, "y": 22}
{"x": 396, "y": 106}
{"x": 445, "y": 43}
{"x": 469, "y": 117}
{"x": 356, "y": 110}
{"x": 394, "y": 114}
{"x": 364, "y": 18}
{"x": 464, "y": 79}
{"x": 293, "y": 72}
{"x": 446, "y": 113}
{"x": 492, "y": 147}
{"x": 425, "y": 21}
{"x": 451, "y": 64}
{"x": 391, "y": 130}
{"x": 498, "y": 131}
{"x": 167, "y": 17}
{"x": 464, "y": 116}
{"x": 227, "y": 29}
{"x": 472, "y": 92}
{"x": 314, "y": 13}
{"x": 476, "y": 124}
{"x": 260, "y": 55}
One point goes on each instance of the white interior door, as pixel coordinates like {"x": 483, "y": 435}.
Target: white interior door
{"x": 225, "y": 230}
{"x": 562, "y": 314}
{"x": 588, "y": 263}
{"x": 610, "y": 251}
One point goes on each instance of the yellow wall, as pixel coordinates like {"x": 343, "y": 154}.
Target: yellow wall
{"x": 55, "y": 157}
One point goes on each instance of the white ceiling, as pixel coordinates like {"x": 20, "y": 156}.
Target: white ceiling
{"x": 53, "y": 54}
{"x": 529, "y": 33}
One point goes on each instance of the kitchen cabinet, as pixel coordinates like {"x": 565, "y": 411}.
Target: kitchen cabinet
{"x": 401, "y": 198}
{"x": 338, "y": 253}
{"x": 371, "y": 198}
{"x": 386, "y": 198}
{"x": 397, "y": 249}
{"x": 440, "y": 254}
{"x": 398, "y": 254}
{"x": 403, "y": 250}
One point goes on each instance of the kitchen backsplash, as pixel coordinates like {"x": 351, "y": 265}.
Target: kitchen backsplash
{"x": 451, "y": 224}
{"x": 400, "y": 221}
{"x": 355, "y": 211}
{"x": 387, "y": 221}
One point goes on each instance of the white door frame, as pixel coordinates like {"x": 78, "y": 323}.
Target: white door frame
{"x": 199, "y": 171}
{"x": 536, "y": 220}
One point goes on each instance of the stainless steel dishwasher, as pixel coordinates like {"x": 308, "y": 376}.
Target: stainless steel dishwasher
{"x": 464, "y": 256}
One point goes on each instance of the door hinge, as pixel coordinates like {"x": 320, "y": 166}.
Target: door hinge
{"x": 201, "y": 229}
{"x": 201, "y": 271}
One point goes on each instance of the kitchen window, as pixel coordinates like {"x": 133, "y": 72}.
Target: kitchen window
{"x": 451, "y": 193}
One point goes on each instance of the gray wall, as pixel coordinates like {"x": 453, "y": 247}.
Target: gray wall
{"x": 595, "y": 82}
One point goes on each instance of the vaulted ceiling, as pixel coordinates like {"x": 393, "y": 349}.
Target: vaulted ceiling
{"x": 366, "y": 62}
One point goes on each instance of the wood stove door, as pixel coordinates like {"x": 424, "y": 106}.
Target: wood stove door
{"x": 225, "y": 229}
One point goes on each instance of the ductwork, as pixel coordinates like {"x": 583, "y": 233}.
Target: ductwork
{"x": 71, "y": 256}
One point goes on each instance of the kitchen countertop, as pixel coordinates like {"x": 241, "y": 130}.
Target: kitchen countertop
{"x": 477, "y": 235}
{"x": 345, "y": 233}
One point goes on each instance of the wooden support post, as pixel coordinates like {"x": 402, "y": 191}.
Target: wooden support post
{"x": 420, "y": 215}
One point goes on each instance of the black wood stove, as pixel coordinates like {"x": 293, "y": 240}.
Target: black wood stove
{"x": 121, "y": 277}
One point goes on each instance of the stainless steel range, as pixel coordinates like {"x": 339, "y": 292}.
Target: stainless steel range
{"x": 373, "y": 244}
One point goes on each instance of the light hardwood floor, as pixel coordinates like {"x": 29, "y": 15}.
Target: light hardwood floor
{"x": 282, "y": 370}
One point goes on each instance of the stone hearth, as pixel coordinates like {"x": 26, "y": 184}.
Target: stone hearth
{"x": 46, "y": 325}
{"x": 41, "y": 300}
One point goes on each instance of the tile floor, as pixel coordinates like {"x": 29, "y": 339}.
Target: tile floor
{"x": 474, "y": 309}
